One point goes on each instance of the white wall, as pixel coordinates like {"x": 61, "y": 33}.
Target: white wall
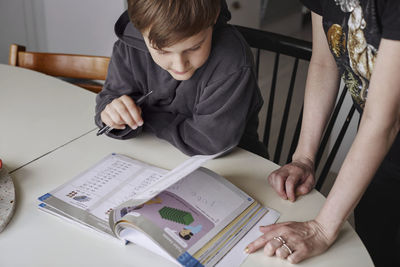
{"x": 76, "y": 26}
{"x": 12, "y": 26}
{"x": 73, "y": 26}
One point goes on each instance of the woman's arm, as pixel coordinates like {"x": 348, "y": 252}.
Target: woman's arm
{"x": 320, "y": 96}
{"x": 379, "y": 126}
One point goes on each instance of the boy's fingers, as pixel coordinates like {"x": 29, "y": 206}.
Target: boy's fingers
{"x": 112, "y": 111}
{"x": 105, "y": 118}
{"x": 120, "y": 107}
{"x": 128, "y": 112}
{"x": 127, "y": 118}
{"x": 116, "y": 121}
{"x": 133, "y": 109}
{"x": 111, "y": 117}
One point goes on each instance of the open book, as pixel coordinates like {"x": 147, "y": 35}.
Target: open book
{"x": 190, "y": 215}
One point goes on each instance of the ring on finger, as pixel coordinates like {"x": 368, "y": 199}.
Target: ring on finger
{"x": 287, "y": 248}
{"x": 279, "y": 238}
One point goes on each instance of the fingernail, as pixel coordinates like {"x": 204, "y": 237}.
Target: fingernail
{"x": 247, "y": 250}
{"x": 140, "y": 123}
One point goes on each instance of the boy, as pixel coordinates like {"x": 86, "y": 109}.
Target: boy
{"x": 205, "y": 95}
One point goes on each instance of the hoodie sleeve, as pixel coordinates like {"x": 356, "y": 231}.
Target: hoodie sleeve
{"x": 120, "y": 81}
{"x": 219, "y": 118}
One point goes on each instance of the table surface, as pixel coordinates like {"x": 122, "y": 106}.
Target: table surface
{"x": 35, "y": 238}
{"x": 39, "y": 113}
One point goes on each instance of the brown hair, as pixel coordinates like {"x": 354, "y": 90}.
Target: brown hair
{"x": 170, "y": 21}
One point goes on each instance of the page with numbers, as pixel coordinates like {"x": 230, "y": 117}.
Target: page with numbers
{"x": 187, "y": 214}
{"x": 91, "y": 195}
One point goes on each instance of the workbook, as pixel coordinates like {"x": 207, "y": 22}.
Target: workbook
{"x": 189, "y": 215}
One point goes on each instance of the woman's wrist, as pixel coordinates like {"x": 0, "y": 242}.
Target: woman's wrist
{"x": 303, "y": 159}
{"x": 329, "y": 225}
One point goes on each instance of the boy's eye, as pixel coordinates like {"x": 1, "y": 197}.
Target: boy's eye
{"x": 162, "y": 52}
{"x": 194, "y": 48}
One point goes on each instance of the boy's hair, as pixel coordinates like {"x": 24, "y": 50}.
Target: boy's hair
{"x": 171, "y": 21}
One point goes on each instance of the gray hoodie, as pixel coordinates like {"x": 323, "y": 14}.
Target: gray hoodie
{"x": 215, "y": 109}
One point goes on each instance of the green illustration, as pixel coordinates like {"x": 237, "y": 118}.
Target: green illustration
{"x": 176, "y": 215}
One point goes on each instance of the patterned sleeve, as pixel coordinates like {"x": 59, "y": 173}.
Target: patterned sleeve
{"x": 391, "y": 19}
{"x": 313, "y": 5}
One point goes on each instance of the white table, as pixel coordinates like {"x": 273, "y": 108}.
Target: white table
{"x": 39, "y": 113}
{"x": 34, "y": 238}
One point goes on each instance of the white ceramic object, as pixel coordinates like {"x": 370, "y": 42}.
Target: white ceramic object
{"x": 7, "y": 198}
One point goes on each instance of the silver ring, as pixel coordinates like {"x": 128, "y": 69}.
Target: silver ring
{"x": 287, "y": 248}
{"x": 279, "y": 238}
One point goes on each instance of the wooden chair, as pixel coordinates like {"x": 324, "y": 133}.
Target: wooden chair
{"x": 81, "y": 70}
{"x": 295, "y": 50}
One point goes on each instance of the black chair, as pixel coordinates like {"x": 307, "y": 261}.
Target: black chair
{"x": 296, "y": 51}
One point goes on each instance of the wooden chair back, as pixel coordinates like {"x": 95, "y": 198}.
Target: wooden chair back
{"x": 81, "y": 70}
{"x": 295, "y": 50}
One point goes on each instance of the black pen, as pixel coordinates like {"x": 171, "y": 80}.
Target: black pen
{"x": 107, "y": 129}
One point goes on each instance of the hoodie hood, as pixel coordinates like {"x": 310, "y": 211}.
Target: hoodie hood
{"x": 131, "y": 36}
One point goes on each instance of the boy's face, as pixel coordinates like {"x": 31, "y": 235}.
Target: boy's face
{"x": 182, "y": 59}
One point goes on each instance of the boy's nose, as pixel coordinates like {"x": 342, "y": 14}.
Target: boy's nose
{"x": 180, "y": 63}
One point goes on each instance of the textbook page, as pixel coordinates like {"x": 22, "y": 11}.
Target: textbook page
{"x": 91, "y": 196}
{"x": 213, "y": 214}
{"x": 198, "y": 219}
{"x": 205, "y": 201}
{"x": 237, "y": 254}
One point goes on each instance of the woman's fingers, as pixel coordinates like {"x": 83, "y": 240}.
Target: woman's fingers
{"x": 290, "y": 186}
{"x": 257, "y": 244}
{"x": 277, "y": 180}
{"x": 306, "y": 186}
{"x": 296, "y": 257}
{"x": 270, "y": 231}
{"x": 282, "y": 251}
{"x": 294, "y": 241}
{"x": 291, "y": 180}
{"x": 272, "y": 246}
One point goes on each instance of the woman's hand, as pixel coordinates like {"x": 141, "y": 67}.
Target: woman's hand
{"x": 294, "y": 241}
{"x": 293, "y": 179}
{"x": 122, "y": 111}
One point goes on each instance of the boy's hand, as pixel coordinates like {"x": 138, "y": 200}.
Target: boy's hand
{"x": 122, "y": 111}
